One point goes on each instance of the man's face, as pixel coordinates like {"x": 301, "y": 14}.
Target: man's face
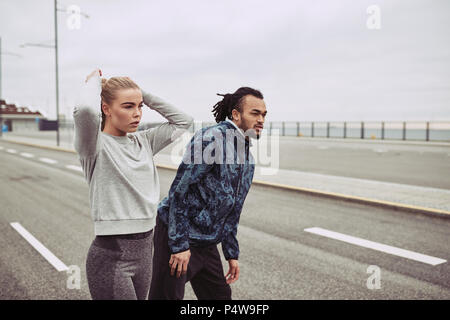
{"x": 252, "y": 116}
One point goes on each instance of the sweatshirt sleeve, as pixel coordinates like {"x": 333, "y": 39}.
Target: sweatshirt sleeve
{"x": 177, "y": 123}
{"x": 87, "y": 118}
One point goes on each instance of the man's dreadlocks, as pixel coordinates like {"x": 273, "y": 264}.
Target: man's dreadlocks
{"x": 230, "y": 101}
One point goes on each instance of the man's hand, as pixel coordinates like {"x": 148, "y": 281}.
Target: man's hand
{"x": 179, "y": 262}
{"x": 233, "y": 271}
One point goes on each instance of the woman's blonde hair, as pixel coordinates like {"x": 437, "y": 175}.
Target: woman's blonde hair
{"x": 110, "y": 87}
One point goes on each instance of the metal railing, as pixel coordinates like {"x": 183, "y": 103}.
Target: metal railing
{"x": 401, "y": 130}
{"x": 394, "y": 130}
{"x": 382, "y": 130}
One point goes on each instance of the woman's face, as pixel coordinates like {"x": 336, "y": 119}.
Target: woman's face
{"x": 124, "y": 113}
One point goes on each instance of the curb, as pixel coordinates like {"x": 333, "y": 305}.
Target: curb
{"x": 39, "y": 146}
{"x": 356, "y": 199}
{"x": 332, "y": 195}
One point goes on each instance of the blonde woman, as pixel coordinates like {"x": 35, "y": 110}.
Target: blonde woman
{"x": 117, "y": 161}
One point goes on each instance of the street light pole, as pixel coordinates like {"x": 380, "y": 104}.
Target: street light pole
{"x": 1, "y": 69}
{"x": 55, "y": 46}
{"x": 1, "y": 111}
{"x": 56, "y": 74}
{"x": 1, "y": 76}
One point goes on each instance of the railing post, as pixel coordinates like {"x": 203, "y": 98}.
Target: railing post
{"x": 312, "y": 129}
{"x": 298, "y": 128}
{"x": 404, "y": 130}
{"x": 362, "y": 130}
{"x": 428, "y": 132}
{"x": 382, "y": 130}
{"x": 328, "y": 129}
{"x": 345, "y": 130}
{"x": 282, "y": 126}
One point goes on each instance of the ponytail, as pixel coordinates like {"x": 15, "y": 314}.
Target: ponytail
{"x": 101, "y": 103}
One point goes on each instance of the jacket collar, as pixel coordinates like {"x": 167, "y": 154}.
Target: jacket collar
{"x": 232, "y": 125}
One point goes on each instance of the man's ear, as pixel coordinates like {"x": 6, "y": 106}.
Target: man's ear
{"x": 235, "y": 115}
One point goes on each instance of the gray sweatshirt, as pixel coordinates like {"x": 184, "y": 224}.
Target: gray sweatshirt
{"x": 123, "y": 181}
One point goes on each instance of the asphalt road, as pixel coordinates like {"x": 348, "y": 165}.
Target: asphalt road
{"x": 279, "y": 259}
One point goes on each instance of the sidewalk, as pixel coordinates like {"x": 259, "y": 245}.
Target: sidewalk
{"x": 399, "y": 196}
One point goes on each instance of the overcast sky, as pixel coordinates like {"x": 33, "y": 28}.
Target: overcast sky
{"x": 312, "y": 60}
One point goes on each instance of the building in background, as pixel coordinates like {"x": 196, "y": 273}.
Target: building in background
{"x": 19, "y": 118}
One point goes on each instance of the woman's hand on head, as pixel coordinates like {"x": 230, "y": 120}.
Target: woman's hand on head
{"x": 97, "y": 73}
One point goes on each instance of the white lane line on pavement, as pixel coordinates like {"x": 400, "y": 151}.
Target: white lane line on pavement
{"x": 1, "y": 148}
{"x": 50, "y": 257}
{"x": 76, "y": 168}
{"x": 27, "y": 155}
{"x": 47, "y": 160}
{"x": 11, "y": 150}
{"x": 377, "y": 246}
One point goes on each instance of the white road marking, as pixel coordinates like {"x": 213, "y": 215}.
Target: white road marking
{"x": 11, "y": 151}
{"x": 47, "y": 160}
{"x": 50, "y": 257}
{"x": 76, "y": 168}
{"x": 27, "y": 155}
{"x": 377, "y": 246}
{"x": 1, "y": 148}
{"x": 322, "y": 147}
{"x": 379, "y": 150}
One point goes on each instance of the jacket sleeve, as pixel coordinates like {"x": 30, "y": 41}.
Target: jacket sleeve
{"x": 191, "y": 170}
{"x": 230, "y": 244}
{"x": 177, "y": 123}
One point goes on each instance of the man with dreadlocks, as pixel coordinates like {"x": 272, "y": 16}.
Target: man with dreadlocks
{"x": 205, "y": 201}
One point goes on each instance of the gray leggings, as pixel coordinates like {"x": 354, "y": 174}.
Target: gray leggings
{"x": 119, "y": 267}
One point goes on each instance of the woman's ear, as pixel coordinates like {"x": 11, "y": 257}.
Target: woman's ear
{"x": 105, "y": 109}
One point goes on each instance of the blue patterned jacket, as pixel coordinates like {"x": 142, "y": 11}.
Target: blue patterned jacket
{"x": 205, "y": 200}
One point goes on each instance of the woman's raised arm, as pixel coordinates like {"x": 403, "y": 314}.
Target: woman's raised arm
{"x": 87, "y": 116}
{"x": 162, "y": 136}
